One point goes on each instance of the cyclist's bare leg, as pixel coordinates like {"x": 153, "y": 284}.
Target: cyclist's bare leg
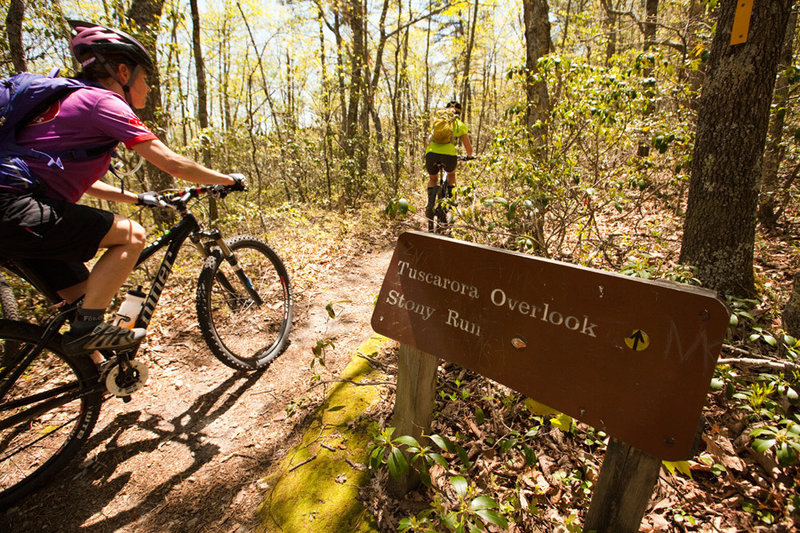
{"x": 124, "y": 241}
{"x": 70, "y": 294}
{"x": 433, "y": 192}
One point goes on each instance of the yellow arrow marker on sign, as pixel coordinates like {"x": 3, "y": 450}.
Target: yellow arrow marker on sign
{"x": 638, "y": 340}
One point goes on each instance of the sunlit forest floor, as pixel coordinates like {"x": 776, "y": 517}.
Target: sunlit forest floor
{"x": 190, "y": 451}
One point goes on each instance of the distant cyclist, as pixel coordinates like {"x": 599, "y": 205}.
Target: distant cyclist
{"x": 440, "y": 155}
{"x": 52, "y": 235}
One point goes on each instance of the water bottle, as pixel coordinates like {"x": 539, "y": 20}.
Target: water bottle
{"x": 130, "y": 308}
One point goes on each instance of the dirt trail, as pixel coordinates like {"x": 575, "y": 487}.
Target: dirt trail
{"x": 187, "y": 453}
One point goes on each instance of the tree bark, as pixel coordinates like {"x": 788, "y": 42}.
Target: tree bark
{"x": 791, "y": 313}
{"x": 610, "y": 23}
{"x": 719, "y": 230}
{"x": 538, "y": 44}
{"x": 768, "y": 201}
{"x": 356, "y": 134}
{"x": 326, "y": 109}
{"x": 372, "y": 87}
{"x": 650, "y": 25}
{"x": 466, "y": 89}
{"x": 16, "y": 12}
{"x": 145, "y": 15}
{"x": 202, "y": 96}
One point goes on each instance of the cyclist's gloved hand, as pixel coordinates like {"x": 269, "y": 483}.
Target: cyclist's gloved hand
{"x": 240, "y": 182}
{"x": 150, "y": 199}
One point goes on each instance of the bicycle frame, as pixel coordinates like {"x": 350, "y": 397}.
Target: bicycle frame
{"x": 173, "y": 239}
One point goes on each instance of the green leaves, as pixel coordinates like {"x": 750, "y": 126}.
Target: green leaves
{"x": 485, "y": 508}
{"x": 319, "y": 348}
{"x": 467, "y": 512}
{"x": 398, "y": 466}
{"x": 785, "y": 440}
{"x": 759, "y": 333}
{"x": 398, "y": 207}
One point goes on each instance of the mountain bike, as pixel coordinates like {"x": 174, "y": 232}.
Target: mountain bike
{"x": 50, "y": 401}
{"x": 442, "y": 219}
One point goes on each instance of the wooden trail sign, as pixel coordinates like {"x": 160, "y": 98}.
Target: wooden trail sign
{"x": 633, "y": 358}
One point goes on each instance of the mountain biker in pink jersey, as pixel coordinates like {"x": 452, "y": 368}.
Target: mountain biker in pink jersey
{"x": 52, "y": 235}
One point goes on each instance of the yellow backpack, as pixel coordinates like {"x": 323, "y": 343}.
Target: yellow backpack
{"x": 444, "y": 123}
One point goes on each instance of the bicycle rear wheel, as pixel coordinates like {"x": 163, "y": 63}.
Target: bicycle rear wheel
{"x": 8, "y": 302}
{"x": 46, "y": 412}
{"x": 9, "y": 311}
{"x": 245, "y": 316}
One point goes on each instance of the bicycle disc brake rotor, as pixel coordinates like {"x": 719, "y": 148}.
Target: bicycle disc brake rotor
{"x": 120, "y": 384}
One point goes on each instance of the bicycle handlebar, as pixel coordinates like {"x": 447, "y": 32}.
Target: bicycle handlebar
{"x": 178, "y": 199}
{"x": 466, "y": 157}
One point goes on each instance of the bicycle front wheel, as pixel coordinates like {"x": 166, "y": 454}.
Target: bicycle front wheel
{"x": 245, "y": 314}
{"x": 47, "y": 409}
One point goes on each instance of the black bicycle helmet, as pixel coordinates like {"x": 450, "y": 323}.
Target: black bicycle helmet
{"x": 455, "y": 105}
{"x": 92, "y": 41}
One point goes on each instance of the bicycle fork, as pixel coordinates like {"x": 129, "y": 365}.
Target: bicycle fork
{"x": 227, "y": 254}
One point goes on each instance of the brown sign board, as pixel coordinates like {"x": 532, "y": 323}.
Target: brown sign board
{"x": 630, "y": 357}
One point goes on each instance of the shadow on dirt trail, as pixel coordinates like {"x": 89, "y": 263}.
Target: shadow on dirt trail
{"x": 187, "y": 453}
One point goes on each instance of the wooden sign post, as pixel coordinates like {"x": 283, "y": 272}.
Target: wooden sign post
{"x": 630, "y": 357}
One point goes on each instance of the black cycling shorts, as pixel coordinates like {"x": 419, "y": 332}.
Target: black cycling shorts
{"x": 435, "y": 162}
{"x": 52, "y": 238}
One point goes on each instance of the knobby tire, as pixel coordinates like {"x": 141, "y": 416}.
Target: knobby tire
{"x": 34, "y": 448}
{"x": 8, "y": 302}
{"x": 240, "y": 332}
{"x": 10, "y": 311}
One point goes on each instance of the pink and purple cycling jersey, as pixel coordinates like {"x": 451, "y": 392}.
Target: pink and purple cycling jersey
{"x": 86, "y": 118}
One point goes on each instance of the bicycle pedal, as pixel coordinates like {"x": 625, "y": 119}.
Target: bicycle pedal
{"x": 125, "y": 383}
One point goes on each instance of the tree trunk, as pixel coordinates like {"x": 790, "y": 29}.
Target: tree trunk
{"x": 773, "y": 154}
{"x": 610, "y": 24}
{"x": 372, "y": 88}
{"x": 650, "y": 24}
{"x": 426, "y": 65}
{"x": 537, "y": 44}
{"x": 791, "y": 313}
{"x": 340, "y": 69}
{"x": 16, "y": 12}
{"x": 326, "y": 106}
{"x": 466, "y": 90}
{"x": 145, "y": 15}
{"x": 202, "y": 97}
{"x": 356, "y": 134}
{"x": 719, "y": 231}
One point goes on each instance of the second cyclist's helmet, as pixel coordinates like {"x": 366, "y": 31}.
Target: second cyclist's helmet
{"x": 455, "y": 105}
{"x": 94, "y": 41}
